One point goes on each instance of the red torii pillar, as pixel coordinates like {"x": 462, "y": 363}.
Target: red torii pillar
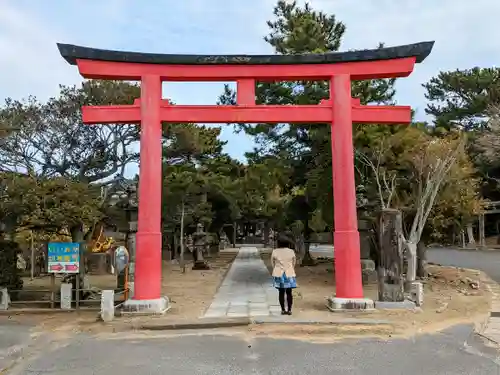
{"x": 340, "y": 111}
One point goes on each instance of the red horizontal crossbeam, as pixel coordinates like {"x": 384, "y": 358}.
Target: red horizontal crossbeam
{"x": 322, "y": 113}
{"x": 357, "y": 70}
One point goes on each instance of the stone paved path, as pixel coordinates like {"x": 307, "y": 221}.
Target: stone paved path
{"x": 247, "y": 289}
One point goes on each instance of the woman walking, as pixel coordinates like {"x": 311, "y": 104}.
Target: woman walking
{"x": 283, "y": 261}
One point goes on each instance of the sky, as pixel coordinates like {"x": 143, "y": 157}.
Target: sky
{"x": 465, "y": 32}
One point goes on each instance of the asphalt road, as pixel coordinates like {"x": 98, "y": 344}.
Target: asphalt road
{"x": 484, "y": 260}
{"x": 13, "y": 337}
{"x": 455, "y": 351}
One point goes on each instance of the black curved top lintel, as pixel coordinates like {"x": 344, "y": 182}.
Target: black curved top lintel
{"x": 418, "y": 50}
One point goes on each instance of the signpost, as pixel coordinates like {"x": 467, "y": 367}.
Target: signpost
{"x": 63, "y": 257}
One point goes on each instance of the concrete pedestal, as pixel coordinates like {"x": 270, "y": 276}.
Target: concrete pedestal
{"x": 417, "y": 293}
{"x": 335, "y": 304}
{"x": 107, "y": 305}
{"x": 4, "y": 299}
{"x": 403, "y": 305}
{"x": 146, "y": 307}
{"x": 66, "y": 293}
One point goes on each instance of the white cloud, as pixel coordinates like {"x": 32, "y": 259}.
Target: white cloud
{"x": 464, "y": 32}
{"x": 29, "y": 63}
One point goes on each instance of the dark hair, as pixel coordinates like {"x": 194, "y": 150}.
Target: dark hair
{"x": 284, "y": 241}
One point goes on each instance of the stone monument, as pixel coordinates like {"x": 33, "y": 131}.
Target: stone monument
{"x": 367, "y": 244}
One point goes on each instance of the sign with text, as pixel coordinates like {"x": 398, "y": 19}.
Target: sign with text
{"x": 63, "y": 257}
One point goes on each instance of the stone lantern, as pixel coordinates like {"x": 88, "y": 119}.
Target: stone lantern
{"x": 366, "y": 236}
{"x": 200, "y": 246}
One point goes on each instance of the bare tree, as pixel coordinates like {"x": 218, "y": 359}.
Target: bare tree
{"x": 52, "y": 141}
{"x": 431, "y": 168}
{"x": 182, "y": 243}
{"x": 427, "y": 164}
{"x": 384, "y": 179}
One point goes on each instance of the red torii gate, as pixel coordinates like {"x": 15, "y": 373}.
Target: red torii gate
{"x": 340, "y": 111}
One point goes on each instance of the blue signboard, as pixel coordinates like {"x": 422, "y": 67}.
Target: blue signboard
{"x": 63, "y": 257}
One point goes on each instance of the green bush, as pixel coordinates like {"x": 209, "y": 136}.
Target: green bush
{"x": 10, "y": 276}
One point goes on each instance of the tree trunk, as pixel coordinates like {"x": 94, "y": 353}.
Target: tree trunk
{"x": 76, "y": 232}
{"x": 33, "y": 258}
{"x": 195, "y": 255}
{"x": 390, "y": 269}
{"x": 267, "y": 230}
{"x": 174, "y": 244}
{"x": 470, "y": 235}
{"x": 421, "y": 259}
{"x": 299, "y": 245}
{"x": 182, "y": 263}
{"x": 411, "y": 272}
{"x": 77, "y": 235}
{"x": 235, "y": 227}
{"x": 482, "y": 237}
{"x": 307, "y": 259}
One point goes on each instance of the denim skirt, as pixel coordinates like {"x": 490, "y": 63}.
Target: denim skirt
{"x": 284, "y": 282}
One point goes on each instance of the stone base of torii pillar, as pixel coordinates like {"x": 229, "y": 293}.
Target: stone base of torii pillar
{"x": 335, "y": 304}
{"x": 146, "y": 307}
{"x": 134, "y": 306}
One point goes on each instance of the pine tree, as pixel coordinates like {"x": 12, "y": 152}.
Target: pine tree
{"x": 306, "y": 147}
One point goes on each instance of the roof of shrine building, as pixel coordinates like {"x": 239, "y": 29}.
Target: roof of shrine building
{"x": 72, "y": 53}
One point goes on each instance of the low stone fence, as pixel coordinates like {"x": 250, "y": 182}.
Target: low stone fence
{"x": 67, "y": 299}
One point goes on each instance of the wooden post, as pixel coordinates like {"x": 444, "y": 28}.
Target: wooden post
{"x": 52, "y": 290}
{"x": 421, "y": 260}
{"x": 390, "y": 269}
{"x": 266, "y": 233}
{"x": 182, "y": 262}
{"x": 482, "y": 237}
{"x": 125, "y": 284}
{"x": 235, "y": 226}
{"x": 78, "y": 291}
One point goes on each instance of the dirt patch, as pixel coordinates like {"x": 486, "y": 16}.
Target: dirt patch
{"x": 191, "y": 293}
{"x": 451, "y": 296}
{"x": 321, "y": 332}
